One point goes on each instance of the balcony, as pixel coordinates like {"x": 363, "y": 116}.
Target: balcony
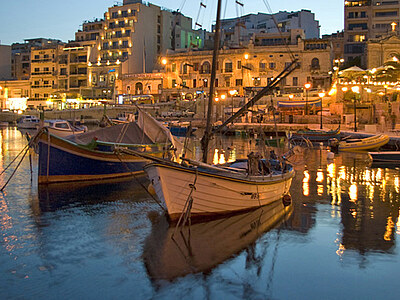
{"x": 41, "y": 60}
{"x": 78, "y": 73}
{"x": 78, "y": 60}
{"x": 42, "y": 73}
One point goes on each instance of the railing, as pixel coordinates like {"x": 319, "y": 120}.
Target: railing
{"x": 42, "y": 73}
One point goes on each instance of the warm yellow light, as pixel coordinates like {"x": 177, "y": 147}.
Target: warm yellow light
{"x": 223, "y": 97}
{"x": 246, "y": 56}
{"x": 291, "y": 96}
{"x": 307, "y": 85}
{"x": 320, "y": 176}
{"x": 345, "y": 89}
{"x": 353, "y": 192}
{"x": 216, "y": 99}
{"x": 117, "y": 62}
{"x": 119, "y": 12}
{"x": 89, "y": 64}
{"x": 355, "y": 89}
{"x": 306, "y": 176}
{"x": 232, "y": 92}
{"x": 164, "y": 61}
{"x": 321, "y": 94}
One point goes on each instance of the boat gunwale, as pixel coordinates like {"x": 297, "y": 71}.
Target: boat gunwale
{"x": 276, "y": 178}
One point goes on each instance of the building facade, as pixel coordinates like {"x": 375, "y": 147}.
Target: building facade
{"x": 365, "y": 20}
{"x": 239, "y": 31}
{"x": 246, "y": 70}
{"x": 5, "y": 62}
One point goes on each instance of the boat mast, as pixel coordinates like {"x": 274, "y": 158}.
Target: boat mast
{"x": 206, "y": 138}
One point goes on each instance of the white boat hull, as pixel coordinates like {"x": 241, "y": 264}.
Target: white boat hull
{"x": 63, "y": 132}
{"x": 214, "y": 194}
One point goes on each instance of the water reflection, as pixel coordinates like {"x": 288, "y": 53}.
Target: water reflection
{"x": 170, "y": 253}
{"x": 366, "y": 199}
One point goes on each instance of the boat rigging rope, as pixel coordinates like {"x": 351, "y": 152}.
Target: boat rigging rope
{"x": 137, "y": 180}
{"x": 186, "y": 212}
{"x": 19, "y": 163}
{"x": 27, "y": 145}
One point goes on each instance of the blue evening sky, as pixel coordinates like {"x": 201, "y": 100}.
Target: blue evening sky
{"x": 24, "y": 19}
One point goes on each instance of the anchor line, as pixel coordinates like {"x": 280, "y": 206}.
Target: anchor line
{"x": 137, "y": 180}
{"x": 186, "y": 211}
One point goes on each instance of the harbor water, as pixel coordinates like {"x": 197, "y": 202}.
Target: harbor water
{"x": 111, "y": 240}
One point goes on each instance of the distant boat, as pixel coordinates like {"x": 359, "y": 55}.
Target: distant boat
{"x": 28, "y": 122}
{"x": 91, "y": 156}
{"x": 63, "y": 128}
{"x": 363, "y": 144}
{"x": 388, "y": 158}
{"x": 202, "y": 246}
{"x": 273, "y": 141}
{"x": 315, "y": 135}
{"x": 180, "y": 128}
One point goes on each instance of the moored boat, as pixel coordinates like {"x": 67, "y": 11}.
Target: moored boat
{"x": 28, "y": 122}
{"x": 217, "y": 190}
{"x": 315, "y": 135}
{"x": 363, "y": 144}
{"x": 91, "y": 156}
{"x": 388, "y": 158}
{"x": 63, "y": 128}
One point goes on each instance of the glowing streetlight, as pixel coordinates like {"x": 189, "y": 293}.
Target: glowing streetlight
{"x": 321, "y": 95}
{"x": 355, "y": 89}
{"x": 164, "y": 61}
{"x": 307, "y": 86}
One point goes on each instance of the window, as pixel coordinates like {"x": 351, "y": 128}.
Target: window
{"x": 362, "y": 26}
{"x": 239, "y": 64}
{"x": 272, "y": 65}
{"x": 173, "y": 67}
{"x": 262, "y": 66}
{"x": 386, "y": 14}
{"x": 194, "y": 83}
{"x": 196, "y": 66}
{"x": 228, "y": 66}
{"x": 315, "y": 63}
{"x": 205, "y": 83}
{"x": 227, "y": 82}
{"x": 295, "y": 81}
{"x": 257, "y": 81}
{"x": 173, "y": 83}
{"x": 239, "y": 82}
{"x": 205, "y": 68}
{"x": 216, "y": 82}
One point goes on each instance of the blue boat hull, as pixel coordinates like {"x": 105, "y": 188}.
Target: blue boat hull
{"x": 62, "y": 161}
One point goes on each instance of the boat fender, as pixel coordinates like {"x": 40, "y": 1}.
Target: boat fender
{"x": 287, "y": 200}
{"x": 151, "y": 189}
{"x": 330, "y": 155}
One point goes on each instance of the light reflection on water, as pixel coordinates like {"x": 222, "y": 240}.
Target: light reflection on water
{"x": 109, "y": 240}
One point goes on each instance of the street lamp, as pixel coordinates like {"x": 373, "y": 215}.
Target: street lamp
{"x": 223, "y": 97}
{"x": 307, "y": 86}
{"x": 355, "y": 89}
{"x": 321, "y": 95}
{"x": 232, "y": 92}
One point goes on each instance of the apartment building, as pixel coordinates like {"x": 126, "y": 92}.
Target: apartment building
{"x": 5, "y": 62}
{"x": 21, "y": 56}
{"x": 249, "y": 69}
{"x": 44, "y": 65}
{"x": 239, "y": 31}
{"x": 365, "y": 20}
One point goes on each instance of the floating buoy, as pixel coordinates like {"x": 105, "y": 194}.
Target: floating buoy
{"x": 330, "y": 155}
{"x": 287, "y": 200}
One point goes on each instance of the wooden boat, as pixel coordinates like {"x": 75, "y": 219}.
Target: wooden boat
{"x": 273, "y": 141}
{"x": 91, "y": 156}
{"x": 63, "y": 128}
{"x": 28, "y": 122}
{"x": 364, "y": 144}
{"x": 388, "y": 158}
{"x": 216, "y": 190}
{"x": 200, "y": 189}
{"x": 168, "y": 256}
{"x": 180, "y": 128}
{"x": 316, "y": 135}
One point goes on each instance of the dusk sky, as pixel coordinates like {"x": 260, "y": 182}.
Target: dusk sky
{"x": 24, "y": 19}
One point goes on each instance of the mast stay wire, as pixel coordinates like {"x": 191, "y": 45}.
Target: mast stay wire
{"x": 279, "y": 31}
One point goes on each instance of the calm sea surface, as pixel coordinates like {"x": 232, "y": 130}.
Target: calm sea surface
{"x": 111, "y": 241}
